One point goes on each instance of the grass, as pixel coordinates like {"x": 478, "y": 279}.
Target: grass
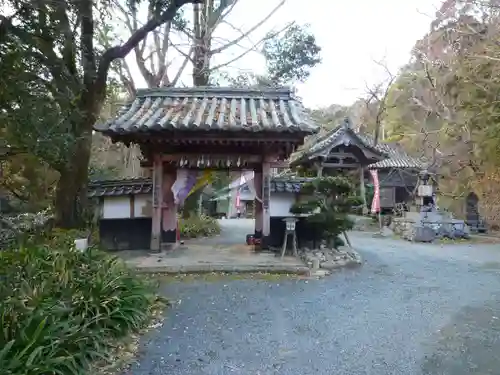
{"x": 66, "y": 312}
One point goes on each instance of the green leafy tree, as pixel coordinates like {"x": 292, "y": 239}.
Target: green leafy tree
{"x": 49, "y": 49}
{"x": 328, "y": 203}
{"x": 291, "y": 56}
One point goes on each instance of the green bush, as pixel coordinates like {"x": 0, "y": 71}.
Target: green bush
{"x": 328, "y": 202}
{"x": 20, "y": 228}
{"x": 198, "y": 226}
{"x": 62, "y": 310}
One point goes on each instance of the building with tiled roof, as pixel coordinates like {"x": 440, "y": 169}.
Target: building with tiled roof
{"x": 344, "y": 148}
{"x": 383, "y": 155}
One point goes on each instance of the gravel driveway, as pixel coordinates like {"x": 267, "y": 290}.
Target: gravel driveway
{"x": 411, "y": 309}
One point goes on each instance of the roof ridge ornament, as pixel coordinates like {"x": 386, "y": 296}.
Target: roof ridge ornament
{"x": 346, "y": 124}
{"x": 282, "y": 92}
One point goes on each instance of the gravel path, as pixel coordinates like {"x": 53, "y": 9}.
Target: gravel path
{"x": 411, "y": 309}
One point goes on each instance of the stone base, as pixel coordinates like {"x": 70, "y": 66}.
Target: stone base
{"x": 169, "y": 246}
{"x": 330, "y": 259}
{"x": 262, "y": 242}
{"x": 318, "y": 273}
{"x": 415, "y": 230}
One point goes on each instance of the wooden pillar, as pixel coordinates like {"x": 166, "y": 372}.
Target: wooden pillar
{"x": 169, "y": 210}
{"x": 157, "y": 203}
{"x": 319, "y": 170}
{"x": 266, "y": 200}
{"x": 258, "y": 203}
{"x": 362, "y": 189}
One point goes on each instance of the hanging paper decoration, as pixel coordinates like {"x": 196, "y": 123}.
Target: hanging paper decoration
{"x": 183, "y": 184}
{"x": 238, "y": 198}
{"x": 203, "y": 180}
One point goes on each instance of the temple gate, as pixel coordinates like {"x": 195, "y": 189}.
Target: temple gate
{"x": 183, "y": 131}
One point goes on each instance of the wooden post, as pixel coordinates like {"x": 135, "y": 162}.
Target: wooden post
{"x": 258, "y": 204}
{"x": 266, "y": 198}
{"x": 362, "y": 189}
{"x": 169, "y": 212}
{"x": 157, "y": 204}
{"x": 132, "y": 206}
{"x": 319, "y": 170}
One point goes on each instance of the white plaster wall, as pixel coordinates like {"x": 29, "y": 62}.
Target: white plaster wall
{"x": 116, "y": 207}
{"x": 231, "y": 208}
{"x": 142, "y": 205}
{"x": 280, "y": 204}
{"x": 247, "y": 196}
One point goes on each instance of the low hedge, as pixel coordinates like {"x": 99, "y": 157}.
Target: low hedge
{"x": 198, "y": 226}
{"x": 62, "y": 310}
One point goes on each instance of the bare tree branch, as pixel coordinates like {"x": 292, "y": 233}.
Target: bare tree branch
{"x": 253, "y": 48}
{"x": 251, "y": 30}
{"x": 121, "y": 51}
{"x": 187, "y": 58}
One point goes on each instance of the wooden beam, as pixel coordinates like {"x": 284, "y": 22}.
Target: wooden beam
{"x": 342, "y": 155}
{"x": 212, "y": 156}
{"x": 339, "y": 165}
{"x": 279, "y": 164}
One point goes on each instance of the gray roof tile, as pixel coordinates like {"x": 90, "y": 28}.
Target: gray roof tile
{"x": 289, "y": 186}
{"x": 212, "y": 108}
{"x": 398, "y": 162}
{"x": 395, "y": 156}
{"x": 130, "y": 186}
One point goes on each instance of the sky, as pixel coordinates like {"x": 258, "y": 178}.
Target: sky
{"x": 354, "y": 35}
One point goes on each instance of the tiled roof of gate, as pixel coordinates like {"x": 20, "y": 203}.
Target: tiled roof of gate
{"x": 321, "y": 144}
{"x": 212, "y": 109}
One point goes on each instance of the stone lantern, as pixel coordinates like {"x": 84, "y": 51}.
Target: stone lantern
{"x": 290, "y": 231}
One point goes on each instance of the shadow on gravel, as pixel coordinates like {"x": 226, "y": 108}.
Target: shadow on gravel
{"x": 469, "y": 344}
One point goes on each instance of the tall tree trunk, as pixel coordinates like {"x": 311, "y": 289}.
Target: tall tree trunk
{"x": 202, "y": 43}
{"x": 201, "y": 75}
{"x": 71, "y": 189}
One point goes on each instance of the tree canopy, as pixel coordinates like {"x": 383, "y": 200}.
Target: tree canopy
{"x": 62, "y": 68}
{"x": 49, "y": 49}
{"x": 67, "y": 59}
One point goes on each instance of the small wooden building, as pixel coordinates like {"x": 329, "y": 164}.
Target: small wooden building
{"x": 191, "y": 129}
{"x": 344, "y": 149}
{"x": 124, "y": 210}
